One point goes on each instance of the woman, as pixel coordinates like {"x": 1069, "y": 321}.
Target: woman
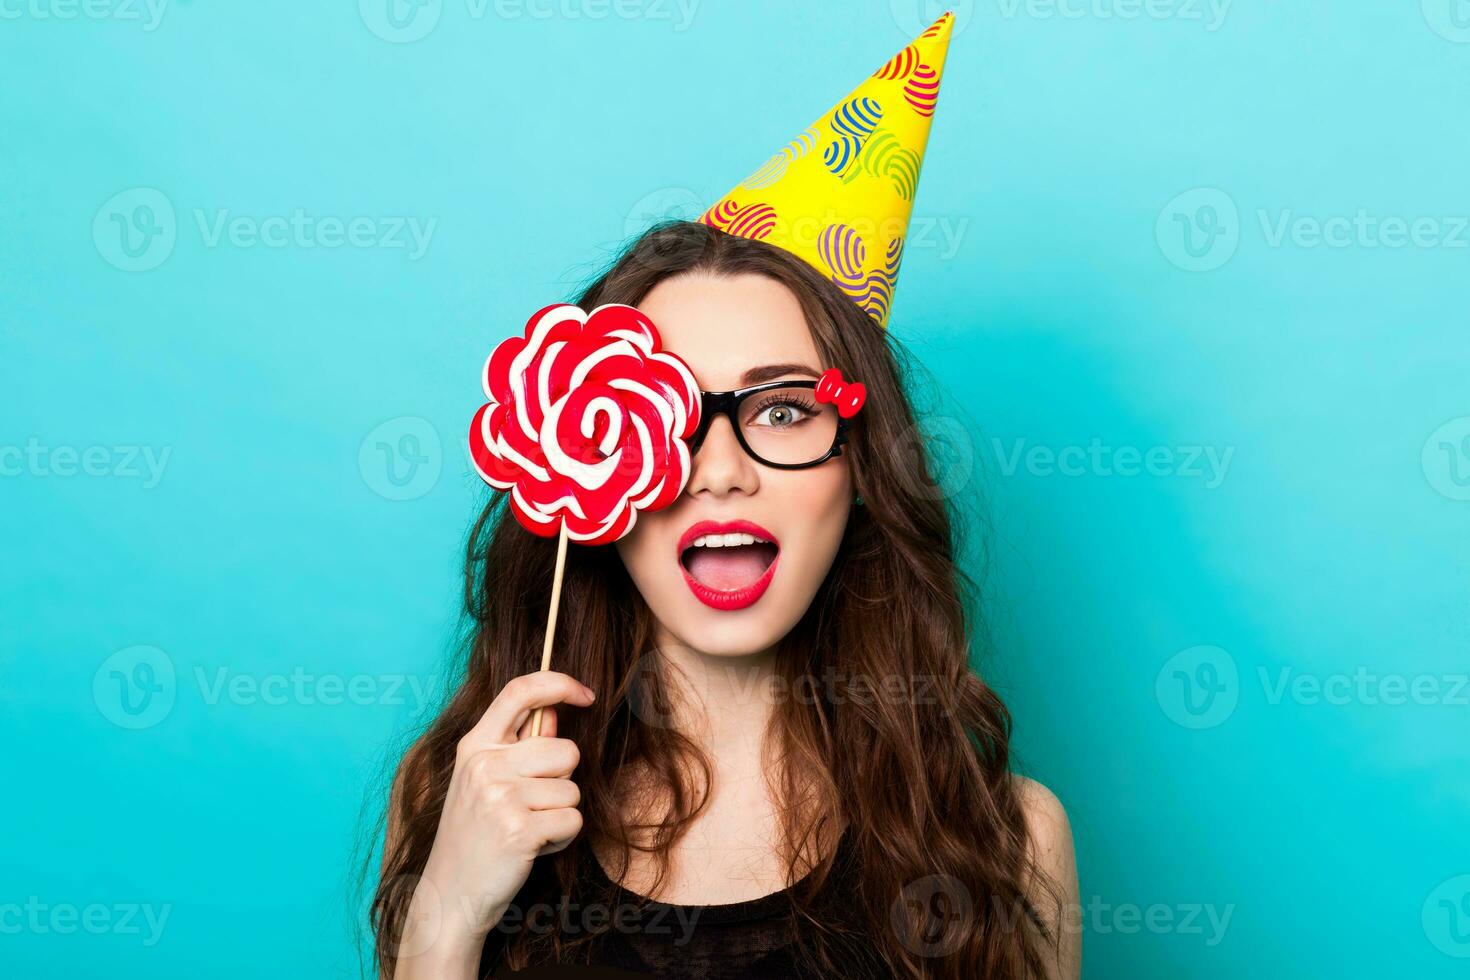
{"x": 805, "y": 781}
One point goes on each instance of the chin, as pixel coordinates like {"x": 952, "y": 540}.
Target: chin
{"x": 730, "y": 635}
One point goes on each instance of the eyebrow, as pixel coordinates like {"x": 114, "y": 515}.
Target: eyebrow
{"x": 771, "y": 372}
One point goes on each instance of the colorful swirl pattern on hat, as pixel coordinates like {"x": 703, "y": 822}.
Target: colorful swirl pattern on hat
{"x": 845, "y": 253}
{"x": 772, "y": 170}
{"x": 900, "y": 64}
{"x": 846, "y": 209}
{"x": 587, "y": 422}
{"x": 751, "y": 221}
{"x": 940, "y": 27}
{"x": 853, "y": 122}
{"x": 921, "y": 90}
{"x": 886, "y": 156}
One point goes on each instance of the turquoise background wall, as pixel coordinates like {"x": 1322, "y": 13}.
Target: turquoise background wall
{"x": 1194, "y": 276}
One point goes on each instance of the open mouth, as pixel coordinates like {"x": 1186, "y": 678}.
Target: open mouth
{"x": 726, "y": 566}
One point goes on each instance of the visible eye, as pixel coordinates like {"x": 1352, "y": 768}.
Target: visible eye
{"x": 782, "y": 411}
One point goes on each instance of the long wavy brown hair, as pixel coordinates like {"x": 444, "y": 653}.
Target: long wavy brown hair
{"x": 920, "y": 783}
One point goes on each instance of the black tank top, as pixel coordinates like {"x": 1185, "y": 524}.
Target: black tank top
{"x": 749, "y": 940}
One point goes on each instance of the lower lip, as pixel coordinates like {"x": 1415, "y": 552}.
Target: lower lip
{"x": 739, "y": 598}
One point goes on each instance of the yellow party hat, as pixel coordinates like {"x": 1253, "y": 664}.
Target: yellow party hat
{"x": 840, "y": 194}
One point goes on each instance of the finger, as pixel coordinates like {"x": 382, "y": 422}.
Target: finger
{"x": 548, "y": 724}
{"x": 548, "y": 794}
{"x": 515, "y": 702}
{"x": 539, "y": 757}
{"x": 557, "y": 828}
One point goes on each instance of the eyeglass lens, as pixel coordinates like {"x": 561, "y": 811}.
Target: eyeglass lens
{"x": 786, "y": 426}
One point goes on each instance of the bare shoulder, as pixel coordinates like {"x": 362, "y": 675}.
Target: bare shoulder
{"x": 1056, "y": 899}
{"x": 1046, "y": 818}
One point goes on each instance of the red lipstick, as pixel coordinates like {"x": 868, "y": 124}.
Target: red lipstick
{"x": 736, "y": 598}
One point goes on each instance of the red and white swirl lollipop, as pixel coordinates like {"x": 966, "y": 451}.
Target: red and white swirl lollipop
{"x": 587, "y": 423}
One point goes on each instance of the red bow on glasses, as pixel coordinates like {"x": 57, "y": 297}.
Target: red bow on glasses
{"x": 848, "y": 396}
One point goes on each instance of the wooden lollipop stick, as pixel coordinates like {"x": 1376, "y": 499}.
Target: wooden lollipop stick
{"x": 561, "y": 561}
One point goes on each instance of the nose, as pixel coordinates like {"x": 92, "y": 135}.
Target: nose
{"x": 720, "y": 465}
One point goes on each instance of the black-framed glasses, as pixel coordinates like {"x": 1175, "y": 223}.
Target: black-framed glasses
{"x": 780, "y": 423}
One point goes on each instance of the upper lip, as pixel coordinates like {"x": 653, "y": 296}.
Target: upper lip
{"x": 700, "y": 528}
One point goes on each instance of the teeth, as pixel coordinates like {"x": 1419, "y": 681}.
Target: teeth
{"x": 726, "y": 540}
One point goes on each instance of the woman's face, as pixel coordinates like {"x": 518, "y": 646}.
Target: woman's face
{"x": 724, "y": 327}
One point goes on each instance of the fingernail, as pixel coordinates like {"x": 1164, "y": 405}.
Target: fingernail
{"x": 591, "y": 694}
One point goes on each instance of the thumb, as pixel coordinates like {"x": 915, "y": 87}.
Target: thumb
{"x": 548, "y": 724}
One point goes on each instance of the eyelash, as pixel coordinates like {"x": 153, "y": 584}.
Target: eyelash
{"x": 805, "y": 405}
